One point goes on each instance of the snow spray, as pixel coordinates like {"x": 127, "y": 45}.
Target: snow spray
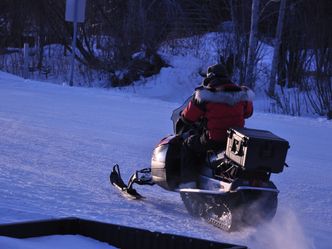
{"x": 283, "y": 232}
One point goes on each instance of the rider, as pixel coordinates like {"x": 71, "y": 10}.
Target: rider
{"x": 218, "y": 104}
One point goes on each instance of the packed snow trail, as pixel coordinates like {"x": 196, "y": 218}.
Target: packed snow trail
{"x": 58, "y": 145}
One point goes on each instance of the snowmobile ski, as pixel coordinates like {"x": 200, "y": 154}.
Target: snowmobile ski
{"x": 141, "y": 177}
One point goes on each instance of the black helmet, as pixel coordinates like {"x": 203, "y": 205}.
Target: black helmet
{"x": 216, "y": 75}
{"x": 218, "y": 71}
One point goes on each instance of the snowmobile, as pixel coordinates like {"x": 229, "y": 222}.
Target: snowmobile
{"x": 234, "y": 187}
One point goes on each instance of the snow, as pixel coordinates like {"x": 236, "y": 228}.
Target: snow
{"x": 53, "y": 242}
{"x": 58, "y": 145}
{"x": 174, "y": 83}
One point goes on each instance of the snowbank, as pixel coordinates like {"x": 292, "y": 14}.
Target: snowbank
{"x": 53, "y": 242}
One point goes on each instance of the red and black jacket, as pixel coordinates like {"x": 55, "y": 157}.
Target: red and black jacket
{"x": 223, "y": 107}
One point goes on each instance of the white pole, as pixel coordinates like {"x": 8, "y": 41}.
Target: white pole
{"x": 71, "y": 83}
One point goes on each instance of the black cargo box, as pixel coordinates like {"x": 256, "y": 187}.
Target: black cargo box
{"x": 256, "y": 149}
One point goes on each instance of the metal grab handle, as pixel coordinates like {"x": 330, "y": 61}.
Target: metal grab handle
{"x": 237, "y": 148}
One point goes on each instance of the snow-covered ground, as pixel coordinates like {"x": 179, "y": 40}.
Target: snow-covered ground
{"x": 58, "y": 144}
{"x": 53, "y": 242}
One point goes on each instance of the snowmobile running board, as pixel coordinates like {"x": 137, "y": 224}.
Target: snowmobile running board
{"x": 140, "y": 177}
{"x": 201, "y": 191}
{"x": 255, "y": 188}
{"x": 221, "y": 192}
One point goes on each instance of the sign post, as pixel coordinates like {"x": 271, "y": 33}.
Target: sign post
{"x": 25, "y": 60}
{"x": 75, "y": 13}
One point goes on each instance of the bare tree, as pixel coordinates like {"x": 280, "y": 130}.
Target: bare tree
{"x": 239, "y": 44}
{"x": 277, "y": 43}
{"x": 252, "y": 44}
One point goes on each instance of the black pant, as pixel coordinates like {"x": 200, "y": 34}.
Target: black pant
{"x": 193, "y": 152}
